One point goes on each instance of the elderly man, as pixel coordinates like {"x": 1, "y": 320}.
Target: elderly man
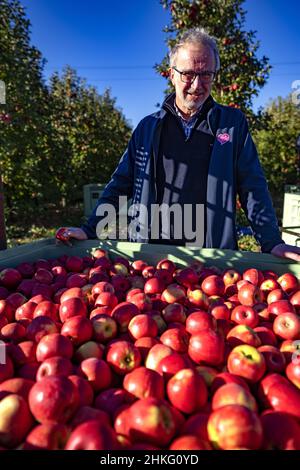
{"x": 194, "y": 154}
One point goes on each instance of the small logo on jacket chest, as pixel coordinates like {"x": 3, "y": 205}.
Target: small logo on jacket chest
{"x": 223, "y": 138}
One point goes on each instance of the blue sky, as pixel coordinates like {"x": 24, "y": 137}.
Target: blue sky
{"x": 116, "y": 43}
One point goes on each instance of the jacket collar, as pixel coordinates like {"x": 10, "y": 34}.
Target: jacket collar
{"x": 168, "y": 105}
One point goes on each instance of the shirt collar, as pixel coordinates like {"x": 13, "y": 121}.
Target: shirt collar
{"x": 192, "y": 118}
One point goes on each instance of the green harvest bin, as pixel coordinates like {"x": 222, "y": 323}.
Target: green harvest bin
{"x": 240, "y": 260}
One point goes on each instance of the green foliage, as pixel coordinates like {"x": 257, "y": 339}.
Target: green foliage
{"x": 89, "y": 133}
{"x": 22, "y": 133}
{"x": 277, "y": 144}
{"x": 242, "y": 73}
{"x": 248, "y": 243}
{"x": 53, "y": 139}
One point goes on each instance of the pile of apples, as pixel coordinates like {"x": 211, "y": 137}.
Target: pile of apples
{"x": 104, "y": 354}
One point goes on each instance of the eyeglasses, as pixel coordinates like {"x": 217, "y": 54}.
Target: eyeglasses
{"x": 189, "y": 76}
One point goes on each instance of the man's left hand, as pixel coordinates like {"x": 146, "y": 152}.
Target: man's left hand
{"x": 287, "y": 251}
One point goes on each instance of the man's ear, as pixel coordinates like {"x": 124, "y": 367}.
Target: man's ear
{"x": 171, "y": 74}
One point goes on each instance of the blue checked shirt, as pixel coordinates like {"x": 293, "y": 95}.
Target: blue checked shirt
{"x": 189, "y": 124}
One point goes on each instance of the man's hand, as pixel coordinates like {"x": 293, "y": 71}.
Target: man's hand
{"x": 64, "y": 234}
{"x": 287, "y": 251}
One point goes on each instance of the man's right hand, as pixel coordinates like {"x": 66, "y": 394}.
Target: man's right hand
{"x": 64, "y": 234}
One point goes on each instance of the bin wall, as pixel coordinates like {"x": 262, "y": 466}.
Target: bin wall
{"x": 183, "y": 256}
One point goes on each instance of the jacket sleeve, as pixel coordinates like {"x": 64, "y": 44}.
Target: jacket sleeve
{"x": 120, "y": 184}
{"x": 254, "y": 194}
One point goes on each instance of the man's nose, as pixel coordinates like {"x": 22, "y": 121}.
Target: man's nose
{"x": 197, "y": 83}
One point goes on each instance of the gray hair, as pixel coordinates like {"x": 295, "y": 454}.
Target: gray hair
{"x": 198, "y": 36}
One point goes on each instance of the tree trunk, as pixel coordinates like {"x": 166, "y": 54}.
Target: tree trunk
{"x": 3, "y": 245}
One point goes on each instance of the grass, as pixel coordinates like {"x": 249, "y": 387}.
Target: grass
{"x": 48, "y": 221}
{"x": 44, "y": 225}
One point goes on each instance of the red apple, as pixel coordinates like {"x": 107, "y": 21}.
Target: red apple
{"x": 173, "y": 293}
{"x": 167, "y": 265}
{"x": 266, "y": 335}
{"x": 16, "y": 385}
{"x": 48, "y": 436}
{"x": 151, "y": 421}
{"x": 78, "y": 329}
{"x": 213, "y": 285}
{"x": 187, "y": 277}
{"x": 197, "y": 426}
{"x": 198, "y": 298}
{"x": 176, "y": 338}
{"x": 54, "y": 344}
{"x": 22, "y": 353}
{"x": 144, "y": 383}
{"x": 281, "y": 431}
{"x": 39, "y": 327}
{"x": 279, "y": 394}
{"x": 104, "y": 328}
{"x": 275, "y": 360}
{"x": 231, "y": 276}
{"x": 89, "y": 413}
{"x": 174, "y": 313}
{"x": 254, "y": 276}
{"x": 113, "y": 399}
{"x": 295, "y": 300}
{"x": 71, "y": 308}
{"x": 15, "y": 420}
{"x": 274, "y": 295}
{"x": 235, "y": 426}
{"x": 25, "y": 287}
{"x": 92, "y": 435}
{"x": 293, "y": 373}
{"x": 200, "y": 320}
{"x": 233, "y": 394}
{"x": 142, "y": 325}
{"x": 25, "y": 311}
{"x": 245, "y": 315}
{"x": 14, "y": 332}
{"x": 290, "y": 349}
{"x": 225, "y": 378}
{"x": 154, "y": 285}
{"x": 84, "y": 390}
{"x": 288, "y": 283}
{"x": 97, "y": 372}
{"x": 207, "y": 346}
{"x": 10, "y": 278}
{"x": 123, "y": 313}
{"x": 187, "y": 391}
{"x": 189, "y": 442}
{"x": 247, "y": 362}
{"x": 123, "y": 357}
{"x": 53, "y": 400}
{"x": 242, "y": 334}
{"x": 89, "y": 349}
{"x": 74, "y": 264}
{"x": 55, "y": 365}
{"x": 171, "y": 364}
{"x": 278, "y": 307}
{"x": 156, "y": 354}
{"x": 220, "y": 312}
{"x": 249, "y": 294}
{"x": 287, "y": 326}
{"x": 26, "y": 269}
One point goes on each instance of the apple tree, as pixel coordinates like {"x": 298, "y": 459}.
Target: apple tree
{"x": 242, "y": 72}
{"x": 277, "y": 145}
{"x": 89, "y": 133}
{"x": 23, "y": 112}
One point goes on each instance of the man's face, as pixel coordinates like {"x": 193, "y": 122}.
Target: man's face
{"x": 195, "y": 58}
